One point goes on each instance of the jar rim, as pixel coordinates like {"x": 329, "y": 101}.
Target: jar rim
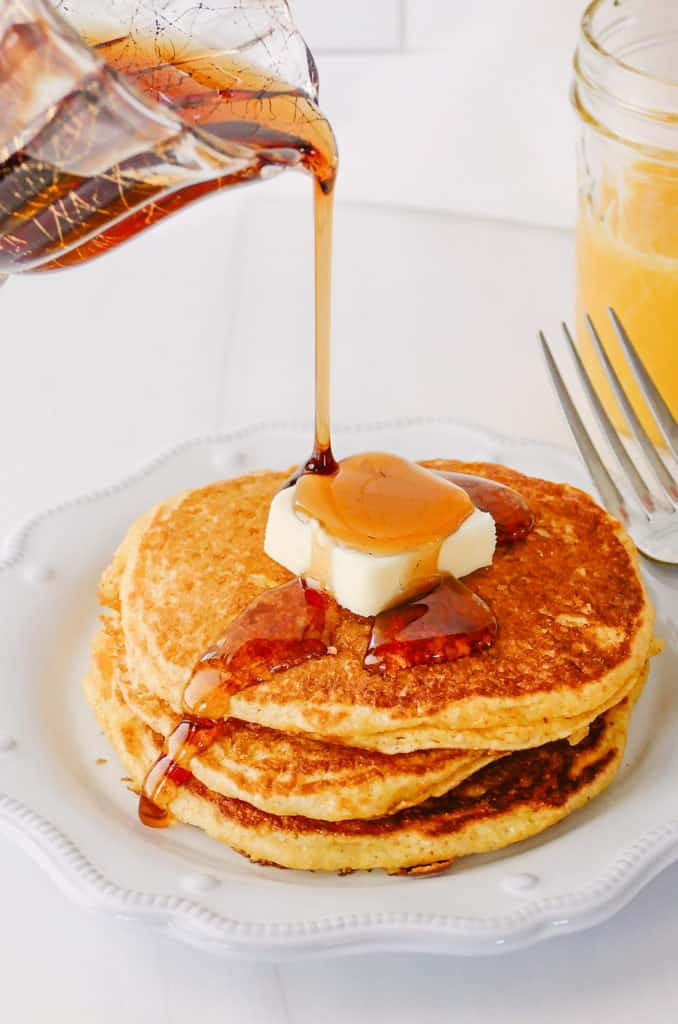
{"x": 599, "y": 72}
{"x": 589, "y": 35}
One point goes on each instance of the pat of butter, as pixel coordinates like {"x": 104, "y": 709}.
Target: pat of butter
{"x": 366, "y": 584}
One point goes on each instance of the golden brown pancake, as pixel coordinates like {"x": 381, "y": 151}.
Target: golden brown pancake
{"x": 293, "y": 774}
{"x": 510, "y": 800}
{"x": 575, "y": 625}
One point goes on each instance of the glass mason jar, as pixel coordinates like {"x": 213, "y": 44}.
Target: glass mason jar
{"x": 626, "y": 96}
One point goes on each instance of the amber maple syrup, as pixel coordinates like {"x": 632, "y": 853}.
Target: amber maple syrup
{"x": 383, "y": 504}
{"x": 513, "y": 517}
{"x": 446, "y": 622}
{"x": 192, "y": 736}
{"x": 281, "y": 628}
{"x": 54, "y": 214}
{"x": 51, "y": 219}
{"x": 378, "y": 502}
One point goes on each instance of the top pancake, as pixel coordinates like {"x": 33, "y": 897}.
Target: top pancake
{"x": 575, "y": 624}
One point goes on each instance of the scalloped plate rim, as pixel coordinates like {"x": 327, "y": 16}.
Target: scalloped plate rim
{"x": 190, "y": 921}
{"x": 193, "y": 923}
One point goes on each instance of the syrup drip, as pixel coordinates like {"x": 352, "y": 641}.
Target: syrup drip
{"x": 513, "y": 517}
{"x": 446, "y": 623}
{"x": 320, "y": 462}
{"x": 192, "y": 736}
{"x": 279, "y": 629}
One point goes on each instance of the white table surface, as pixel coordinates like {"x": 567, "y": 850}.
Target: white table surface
{"x": 205, "y": 324}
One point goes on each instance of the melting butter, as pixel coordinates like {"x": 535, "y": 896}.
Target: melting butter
{"x": 382, "y": 529}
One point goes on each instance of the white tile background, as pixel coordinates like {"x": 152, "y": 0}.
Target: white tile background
{"x": 351, "y": 26}
{"x": 470, "y": 114}
{"x": 446, "y": 111}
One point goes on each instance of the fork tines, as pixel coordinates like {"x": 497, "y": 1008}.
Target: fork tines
{"x": 659, "y": 502}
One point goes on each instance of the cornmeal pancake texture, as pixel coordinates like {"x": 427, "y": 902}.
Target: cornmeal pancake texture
{"x": 292, "y": 774}
{"x": 575, "y": 626}
{"x": 509, "y": 800}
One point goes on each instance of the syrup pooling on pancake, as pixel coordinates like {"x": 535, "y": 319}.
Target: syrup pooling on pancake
{"x": 513, "y": 517}
{"x": 448, "y": 622}
{"x": 382, "y": 504}
{"x": 281, "y": 628}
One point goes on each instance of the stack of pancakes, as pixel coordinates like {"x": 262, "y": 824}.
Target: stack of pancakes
{"x": 326, "y": 766}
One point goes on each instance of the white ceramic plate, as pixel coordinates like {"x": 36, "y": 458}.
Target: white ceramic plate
{"x": 76, "y": 818}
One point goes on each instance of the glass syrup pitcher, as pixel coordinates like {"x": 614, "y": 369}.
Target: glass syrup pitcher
{"x": 116, "y": 113}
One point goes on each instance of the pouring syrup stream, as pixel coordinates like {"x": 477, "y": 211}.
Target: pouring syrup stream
{"x": 322, "y": 460}
{"x": 294, "y": 623}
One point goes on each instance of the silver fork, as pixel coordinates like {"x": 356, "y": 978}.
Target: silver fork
{"x": 652, "y": 520}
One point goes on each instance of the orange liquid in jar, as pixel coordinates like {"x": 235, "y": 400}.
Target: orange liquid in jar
{"x": 627, "y": 258}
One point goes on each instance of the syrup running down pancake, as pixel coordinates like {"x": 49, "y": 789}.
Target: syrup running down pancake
{"x": 291, "y": 773}
{"x": 506, "y": 802}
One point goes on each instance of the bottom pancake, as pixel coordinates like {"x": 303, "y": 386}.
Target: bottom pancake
{"x": 507, "y": 801}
